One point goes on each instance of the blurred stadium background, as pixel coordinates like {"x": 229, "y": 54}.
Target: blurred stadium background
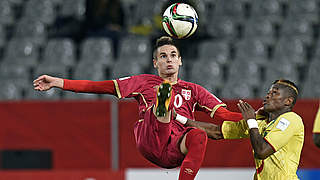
{"x": 240, "y": 47}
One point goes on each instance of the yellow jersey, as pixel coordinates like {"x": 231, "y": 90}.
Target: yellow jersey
{"x": 316, "y": 125}
{"x": 286, "y": 136}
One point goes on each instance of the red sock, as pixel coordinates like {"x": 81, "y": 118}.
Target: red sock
{"x": 196, "y": 143}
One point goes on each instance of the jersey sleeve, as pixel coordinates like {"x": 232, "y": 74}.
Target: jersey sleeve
{"x": 284, "y": 128}
{"x": 226, "y": 115}
{"x": 87, "y": 86}
{"x": 207, "y": 102}
{"x": 316, "y": 125}
{"x": 235, "y": 130}
{"x": 240, "y": 129}
{"x": 125, "y": 87}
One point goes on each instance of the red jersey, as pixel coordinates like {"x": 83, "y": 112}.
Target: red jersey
{"x": 188, "y": 96}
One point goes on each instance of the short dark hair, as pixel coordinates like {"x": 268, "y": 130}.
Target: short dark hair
{"x": 163, "y": 40}
{"x": 291, "y": 88}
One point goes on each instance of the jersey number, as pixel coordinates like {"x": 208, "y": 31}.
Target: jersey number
{"x": 178, "y": 100}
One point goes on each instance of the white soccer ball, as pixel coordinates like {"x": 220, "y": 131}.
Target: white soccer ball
{"x": 180, "y": 20}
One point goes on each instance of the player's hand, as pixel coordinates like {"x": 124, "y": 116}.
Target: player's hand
{"x": 261, "y": 114}
{"x": 45, "y": 82}
{"x": 247, "y": 111}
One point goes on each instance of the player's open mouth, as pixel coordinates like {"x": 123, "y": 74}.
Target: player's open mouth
{"x": 169, "y": 67}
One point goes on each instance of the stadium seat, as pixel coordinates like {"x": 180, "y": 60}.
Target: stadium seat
{"x": 6, "y": 13}
{"x": 126, "y": 67}
{"x": 259, "y": 27}
{"x": 17, "y": 71}
{"x": 16, "y": 2}
{"x": 29, "y": 28}
{"x": 233, "y": 8}
{"x": 311, "y": 85}
{"x": 89, "y": 71}
{"x": 282, "y": 69}
{"x": 218, "y": 51}
{"x": 245, "y": 70}
{"x": 253, "y": 49}
{"x": 12, "y": 89}
{"x": 235, "y": 89}
{"x": 310, "y": 90}
{"x": 59, "y": 51}
{"x": 299, "y": 25}
{"x": 270, "y": 9}
{"x": 312, "y": 72}
{"x": 209, "y": 10}
{"x": 142, "y": 15}
{"x": 21, "y": 51}
{"x": 58, "y": 70}
{"x": 73, "y": 8}
{"x": 139, "y": 46}
{"x": 57, "y": 2}
{"x": 97, "y": 51}
{"x": 42, "y": 11}
{"x": 302, "y": 7}
{"x": 208, "y": 74}
{"x": 292, "y": 50}
{"x": 223, "y": 28}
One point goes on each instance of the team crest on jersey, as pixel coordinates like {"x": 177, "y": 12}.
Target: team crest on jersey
{"x": 186, "y": 94}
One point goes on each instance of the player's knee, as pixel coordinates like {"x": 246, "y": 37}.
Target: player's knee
{"x": 199, "y": 136}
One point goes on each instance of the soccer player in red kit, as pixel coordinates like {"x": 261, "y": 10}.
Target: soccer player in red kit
{"x": 161, "y": 139}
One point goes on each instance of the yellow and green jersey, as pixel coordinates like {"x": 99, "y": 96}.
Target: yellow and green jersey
{"x": 316, "y": 125}
{"x": 285, "y": 134}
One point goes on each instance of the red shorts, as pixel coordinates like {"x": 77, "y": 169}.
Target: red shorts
{"x": 160, "y": 142}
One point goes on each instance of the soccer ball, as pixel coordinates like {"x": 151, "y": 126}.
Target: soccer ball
{"x": 180, "y": 20}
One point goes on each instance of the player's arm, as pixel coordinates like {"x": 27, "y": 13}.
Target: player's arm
{"x": 262, "y": 149}
{"x": 226, "y": 115}
{"x": 45, "y": 82}
{"x": 213, "y": 131}
{"x": 228, "y": 130}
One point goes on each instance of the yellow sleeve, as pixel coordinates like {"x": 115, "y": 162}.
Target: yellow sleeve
{"x": 235, "y": 130}
{"x": 316, "y": 125}
{"x": 286, "y": 126}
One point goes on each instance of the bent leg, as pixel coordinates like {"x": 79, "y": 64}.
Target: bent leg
{"x": 194, "y": 145}
{"x": 152, "y": 137}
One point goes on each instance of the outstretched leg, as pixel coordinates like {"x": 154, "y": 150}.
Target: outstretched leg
{"x": 194, "y": 146}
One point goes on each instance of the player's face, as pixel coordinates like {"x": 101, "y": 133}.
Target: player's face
{"x": 276, "y": 99}
{"x": 168, "y": 60}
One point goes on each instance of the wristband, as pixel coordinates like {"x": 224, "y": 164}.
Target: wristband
{"x": 181, "y": 119}
{"x": 252, "y": 123}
